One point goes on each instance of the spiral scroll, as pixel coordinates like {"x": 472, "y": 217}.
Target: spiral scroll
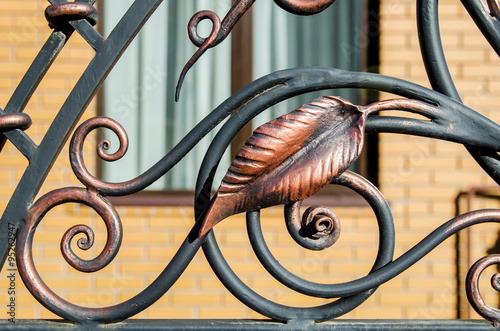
{"x": 472, "y": 288}
{"x": 65, "y": 309}
{"x": 76, "y": 151}
{"x": 319, "y": 228}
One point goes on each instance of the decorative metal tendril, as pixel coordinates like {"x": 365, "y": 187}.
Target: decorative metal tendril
{"x": 220, "y": 30}
{"x": 76, "y": 149}
{"x": 494, "y": 8}
{"x": 318, "y": 229}
{"x": 472, "y": 288}
{"x": 58, "y": 197}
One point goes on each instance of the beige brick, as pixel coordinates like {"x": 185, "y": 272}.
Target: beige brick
{"x": 198, "y": 298}
{"x": 397, "y": 299}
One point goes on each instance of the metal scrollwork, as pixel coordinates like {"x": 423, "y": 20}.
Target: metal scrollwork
{"x": 220, "y": 30}
{"x": 284, "y": 162}
{"x": 76, "y": 150}
{"x": 472, "y": 288}
{"x": 318, "y": 229}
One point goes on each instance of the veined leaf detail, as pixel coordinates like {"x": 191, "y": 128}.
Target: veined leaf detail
{"x": 290, "y": 158}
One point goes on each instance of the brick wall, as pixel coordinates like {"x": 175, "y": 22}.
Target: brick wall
{"x": 419, "y": 177}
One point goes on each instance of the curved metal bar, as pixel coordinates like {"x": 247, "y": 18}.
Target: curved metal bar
{"x": 220, "y": 30}
{"x": 488, "y": 25}
{"x": 367, "y": 283}
{"x": 79, "y": 195}
{"x": 266, "y": 307}
{"x": 72, "y": 312}
{"x": 473, "y": 291}
{"x": 318, "y": 229}
{"x": 76, "y": 151}
{"x": 439, "y": 75}
{"x": 386, "y": 240}
{"x": 431, "y": 49}
{"x": 42, "y": 158}
{"x": 451, "y": 120}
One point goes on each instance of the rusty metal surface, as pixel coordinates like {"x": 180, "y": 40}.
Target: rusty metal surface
{"x": 220, "y": 30}
{"x": 473, "y": 292}
{"x": 14, "y": 121}
{"x": 285, "y": 161}
{"x": 62, "y": 13}
{"x": 290, "y": 158}
{"x": 258, "y": 325}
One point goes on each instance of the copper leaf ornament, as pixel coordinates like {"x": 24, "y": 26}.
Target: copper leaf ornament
{"x": 290, "y": 158}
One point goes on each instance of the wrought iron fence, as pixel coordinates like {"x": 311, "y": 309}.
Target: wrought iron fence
{"x": 285, "y": 161}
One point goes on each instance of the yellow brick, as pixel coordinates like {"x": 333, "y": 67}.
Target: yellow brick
{"x": 374, "y": 313}
{"x": 63, "y": 283}
{"x": 198, "y": 298}
{"x": 199, "y": 268}
{"x": 47, "y": 314}
{"x": 131, "y": 253}
{"x": 145, "y": 237}
{"x": 398, "y": 299}
{"x": 332, "y": 253}
{"x": 428, "y": 285}
{"x": 286, "y": 253}
{"x": 210, "y": 282}
{"x": 143, "y": 269}
{"x": 162, "y": 252}
{"x": 170, "y": 223}
{"x": 118, "y": 282}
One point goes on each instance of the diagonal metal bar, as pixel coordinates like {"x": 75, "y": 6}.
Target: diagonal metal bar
{"x": 88, "y": 32}
{"x": 45, "y": 155}
{"x": 28, "y": 85}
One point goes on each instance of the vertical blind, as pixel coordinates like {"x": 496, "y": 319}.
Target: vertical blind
{"x": 139, "y": 93}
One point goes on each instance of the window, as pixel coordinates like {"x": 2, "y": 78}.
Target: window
{"x": 139, "y": 93}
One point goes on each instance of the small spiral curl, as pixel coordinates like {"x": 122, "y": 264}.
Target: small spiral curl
{"x": 195, "y": 38}
{"x": 104, "y": 145}
{"x": 318, "y": 229}
{"x": 472, "y": 288}
{"x": 83, "y": 243}
{"x": 76, "y": 149}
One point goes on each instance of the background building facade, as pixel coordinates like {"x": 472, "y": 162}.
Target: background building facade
{"x": 420, "y": 178}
